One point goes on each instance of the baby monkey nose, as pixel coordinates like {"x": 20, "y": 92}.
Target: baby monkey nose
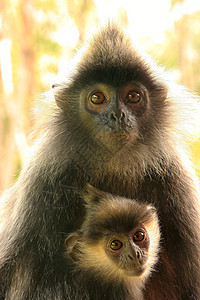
{"x": 130, "y": 257}
{"x": 137, "y": 256}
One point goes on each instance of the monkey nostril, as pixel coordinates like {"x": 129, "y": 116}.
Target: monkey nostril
{"x": 130, "y": 257}
{"x": 122, "y": 115}
{"x": 138, "y": 255}
{"x": 113, "y": 116}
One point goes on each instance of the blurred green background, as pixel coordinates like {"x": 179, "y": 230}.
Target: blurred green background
{"x": 38, "y": 37}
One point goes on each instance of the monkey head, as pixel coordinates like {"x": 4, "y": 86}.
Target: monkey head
{"x": 113, "y": 94}
{"x": 119, "y": 238}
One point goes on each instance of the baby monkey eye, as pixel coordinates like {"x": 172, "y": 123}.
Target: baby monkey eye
{"x": 138, "y": 236}
{"x": 133, "y": 97}
{"x": 116, "y": 245}
{"x": 97, "y": 98}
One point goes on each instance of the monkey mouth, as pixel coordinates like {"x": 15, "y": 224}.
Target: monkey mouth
{"x": 135, "y": 272}
{"x": 117, "y": 140}
{"x": 114, "y": 140}
{"x": 120, "y": 135}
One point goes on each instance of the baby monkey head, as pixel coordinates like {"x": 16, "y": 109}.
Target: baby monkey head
{"x": 118, "y": 239}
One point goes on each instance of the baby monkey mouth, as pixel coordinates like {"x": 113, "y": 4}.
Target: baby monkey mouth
{"x": 134, "y": 271}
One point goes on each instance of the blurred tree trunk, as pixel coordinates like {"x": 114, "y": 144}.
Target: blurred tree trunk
{"x": 15, "y": 103}
{"x": 79, "y": 11}
{"x": 26, "y": 80}
{"x": 184, "y": 36}
{"x": 6, "y": 132}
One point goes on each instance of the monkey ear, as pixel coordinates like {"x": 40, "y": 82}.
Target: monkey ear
{"x": 60, "y": 95}
{"x": 162, "y": 92}
{"x": 152, "y": 212}
{"x": 151, "y": 208}
{"x": 71, "y": 242}
{"x": 92, "y": 194}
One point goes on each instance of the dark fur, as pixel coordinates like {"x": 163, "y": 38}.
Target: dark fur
{"x": 147, "y": 163}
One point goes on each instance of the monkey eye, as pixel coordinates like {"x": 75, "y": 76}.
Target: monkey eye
{"x": 116, "y": 245}
{"x": 139, "y": 236}
{"x": 97, "y": 98}
{"x": 133, "y": 97}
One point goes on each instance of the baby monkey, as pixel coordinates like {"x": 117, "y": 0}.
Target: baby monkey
{"x": 116, "y": 247}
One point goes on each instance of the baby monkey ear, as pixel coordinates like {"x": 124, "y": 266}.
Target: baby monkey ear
{"x": 92, "y": 194}
{"x": 71, "y": 243}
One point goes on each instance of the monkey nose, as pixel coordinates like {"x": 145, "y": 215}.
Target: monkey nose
{"x": 136, "y": 256}
{"x": 117, "y": 116}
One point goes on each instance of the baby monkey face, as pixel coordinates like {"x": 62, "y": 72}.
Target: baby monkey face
{"x": 129, "y": 251}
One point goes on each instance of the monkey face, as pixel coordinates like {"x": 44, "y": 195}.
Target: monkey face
{"x": 115, "y": 112}
{"x": 129, "y": 252}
